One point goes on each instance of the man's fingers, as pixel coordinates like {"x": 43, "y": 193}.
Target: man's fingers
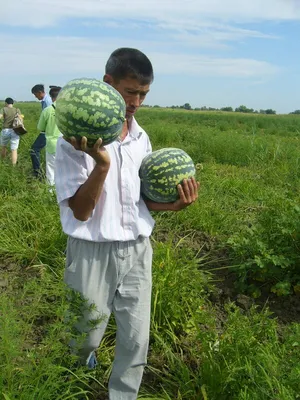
{"x": 73, "y": 141}
{"x": 188, "y": 193}
{"x": 194, "y": 186}
{"x": 181, "y": 193}
{"x": 184, "y": 192}
{"x": 98, "y": 144}
{"x": 83, "y": 143}
{"x": 188, "y": 190}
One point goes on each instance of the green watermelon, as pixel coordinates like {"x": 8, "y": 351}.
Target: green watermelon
{"x": 161, "y": 171}
{"x": 91, "y": 108}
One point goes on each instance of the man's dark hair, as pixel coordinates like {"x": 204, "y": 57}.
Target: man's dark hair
{"x": 54, "y": 91}
{"x": 9, "y": 100}
{"x": 127, "y": 62}
{"x": 38, "y": 88}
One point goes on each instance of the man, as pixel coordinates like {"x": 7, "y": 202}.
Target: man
{"x": 108, "y": 224}
{"x": 8, "y": 135}
{"x": 48, "y": 125}
{"x": 39, "y": 92}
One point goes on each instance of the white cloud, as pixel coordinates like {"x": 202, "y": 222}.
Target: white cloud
{"x": 215, "y": 38}
{"x": 77, "y": 56}
{"x": 203, "y": 34}
{"x": 181, "y": 37}
{"x": 202, "y": 66}
{"x": 39, "y": 13}
{"x": 213, "y": 24}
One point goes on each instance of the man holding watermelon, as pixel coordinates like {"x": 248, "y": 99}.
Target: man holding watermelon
{"x": 109, "y": 224}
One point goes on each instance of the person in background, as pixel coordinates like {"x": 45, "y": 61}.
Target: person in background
{"x": 39, "y": 92}
{"x": 108, "y": 223}
{"x": 8, "y": 135}
{"x": 48, "y": 125}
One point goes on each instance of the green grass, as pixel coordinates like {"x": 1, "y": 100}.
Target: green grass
{"x": 246, "y": 219}
{"x": 250, "y": 187}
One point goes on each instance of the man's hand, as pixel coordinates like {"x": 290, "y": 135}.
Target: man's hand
{"x": 97, "y": 152}
{"x": 188, "y": 194}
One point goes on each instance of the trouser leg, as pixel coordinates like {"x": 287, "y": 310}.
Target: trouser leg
{"x": 131, "y": 307}
{"x": 115, "y": 277}
{"x": 38, "y": 145}
{"x": 90, "y": 271}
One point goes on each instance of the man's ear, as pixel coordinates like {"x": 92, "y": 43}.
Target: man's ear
{"x": 108, "y": 79}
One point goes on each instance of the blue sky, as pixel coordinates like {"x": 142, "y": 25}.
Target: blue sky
{"x": 208, "y": 53}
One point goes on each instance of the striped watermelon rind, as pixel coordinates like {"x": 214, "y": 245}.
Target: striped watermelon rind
{"x": 162, "y": 170}
{"x": 91, "y": 108}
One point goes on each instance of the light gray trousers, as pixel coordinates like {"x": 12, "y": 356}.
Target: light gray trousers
{"x": 115, "y": 277}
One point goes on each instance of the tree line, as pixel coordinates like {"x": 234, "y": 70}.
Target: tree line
{"x": 187, "y": 106}
{"x": 241, "y": 109}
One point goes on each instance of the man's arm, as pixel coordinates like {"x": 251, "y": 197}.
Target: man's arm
{"x": 188, "y": 194}
{"x": 85, "y": 199}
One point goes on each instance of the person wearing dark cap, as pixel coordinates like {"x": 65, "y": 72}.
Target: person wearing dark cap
{"x": 39, "y": 92}
{"x": 8, "y": 135}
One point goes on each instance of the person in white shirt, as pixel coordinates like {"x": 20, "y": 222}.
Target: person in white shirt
{"x": 108, "y": 223}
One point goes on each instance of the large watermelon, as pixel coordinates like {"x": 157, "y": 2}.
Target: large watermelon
{"x": 91, "y": 108}
{"x": 162, "y": 170}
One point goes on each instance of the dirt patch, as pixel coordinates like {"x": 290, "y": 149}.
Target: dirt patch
{"x": 215, "y": 261}
{"x": 285, "y": 308}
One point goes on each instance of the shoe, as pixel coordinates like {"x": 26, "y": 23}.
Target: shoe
{"x": 92, "y": 362}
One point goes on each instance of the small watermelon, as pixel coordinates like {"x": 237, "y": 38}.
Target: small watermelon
{"x": 161, "y": 172}
{"x": 91, "y": 108}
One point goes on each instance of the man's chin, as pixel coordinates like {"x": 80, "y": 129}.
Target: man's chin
{"x": 129, "y": 114}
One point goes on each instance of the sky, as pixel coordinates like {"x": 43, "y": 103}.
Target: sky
{"x": 213, "y": 53}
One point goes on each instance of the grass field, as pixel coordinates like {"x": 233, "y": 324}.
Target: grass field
{"x": 217, "y": 268}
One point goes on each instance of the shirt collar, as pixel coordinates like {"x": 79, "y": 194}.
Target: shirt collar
{"x": 135, "y": 130}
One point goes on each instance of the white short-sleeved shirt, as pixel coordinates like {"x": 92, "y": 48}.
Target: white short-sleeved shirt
{"x": 120, "y": 214}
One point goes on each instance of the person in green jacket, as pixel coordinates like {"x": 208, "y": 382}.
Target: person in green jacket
{"x": 48, "y": 125}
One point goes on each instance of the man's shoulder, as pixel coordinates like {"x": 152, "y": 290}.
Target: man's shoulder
{"x": 138, "y": 130}
{"x": 47, "y": 109}
{"x": 45, "y": 113}
{"x": 9, "y": 111}
{"x": 47, "y": 100}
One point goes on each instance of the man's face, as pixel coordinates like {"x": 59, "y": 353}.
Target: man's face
{"x": 132, "y": 91}
{"x": 39, "y": 95}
